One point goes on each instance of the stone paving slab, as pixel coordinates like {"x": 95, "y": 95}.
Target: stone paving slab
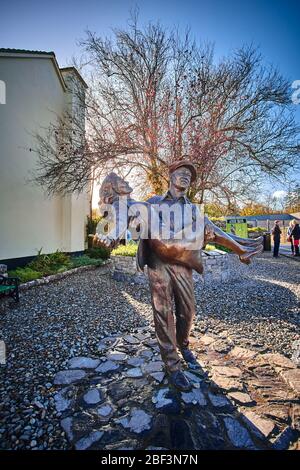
{"x": 240, "y": 399}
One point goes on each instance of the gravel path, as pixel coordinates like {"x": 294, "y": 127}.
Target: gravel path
{"x": 260, "y": 306}
{"x": 55, "y": 322}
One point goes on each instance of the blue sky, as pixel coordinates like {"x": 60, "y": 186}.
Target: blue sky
{"x": 57, "y": 26}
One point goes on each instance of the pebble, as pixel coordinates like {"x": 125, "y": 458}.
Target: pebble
{"x": 135, "y": 372}
{"x": 151, "y": 367}
{"x": 83, "y": 363}
{"x": 92, "y": 397}
{"x": 218, "y": 401}
{"x": 138, "y": 421}
{"x": 195, "y": 397}
{"x": 107, "y": 366}
{"x": 241, "y": 398}
{"x": 135, "y": 361}
{"x": 158, "y": 376}
{"x": 116, "y": 356}
{"x": 65, "y": 377}
{"x": 104, "y": 410}
{"x": 238, "y": 435}
{"x": 86, "y": 442}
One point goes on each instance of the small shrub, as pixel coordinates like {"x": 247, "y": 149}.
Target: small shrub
{"x": 99, "y": 252}
{"x": 211, "y": 247}
{"x": 50, "y": 264}
{"x": 91, "y": 226}
{"x": 126, "y": 250}
{"x": 25, "y": 274}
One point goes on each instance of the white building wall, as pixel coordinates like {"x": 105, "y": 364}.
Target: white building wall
{"x": 30, "y": 220}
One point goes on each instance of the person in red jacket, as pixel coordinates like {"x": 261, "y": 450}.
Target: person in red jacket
{"x": 295, "y": 234}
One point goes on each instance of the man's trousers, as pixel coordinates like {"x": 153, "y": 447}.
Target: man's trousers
{"x": 276, "y": 246}
{"x": 167, "y": 283}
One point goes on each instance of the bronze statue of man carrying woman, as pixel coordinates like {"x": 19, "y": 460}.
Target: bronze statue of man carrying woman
{"x": 170, "y": 247}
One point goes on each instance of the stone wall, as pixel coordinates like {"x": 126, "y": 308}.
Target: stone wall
{"x": 215, "y": 263}
{"x": 124, "y": 268}
{"x": 216, "y": 267}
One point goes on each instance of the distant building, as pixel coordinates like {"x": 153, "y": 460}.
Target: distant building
{"x": 36, "y": 92}
{"x": 296, "y": 215}
{"x": 266, "y": 220}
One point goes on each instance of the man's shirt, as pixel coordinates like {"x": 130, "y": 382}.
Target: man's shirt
{"x": 182, "y": 217}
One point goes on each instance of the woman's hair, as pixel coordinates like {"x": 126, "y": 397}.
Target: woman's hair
{"x": 292, "y": 222}
{"x": 109, "y": 188}
{"x": 295, "y": 222}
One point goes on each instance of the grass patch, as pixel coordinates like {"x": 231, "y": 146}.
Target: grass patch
{"x": 85, "y": 260}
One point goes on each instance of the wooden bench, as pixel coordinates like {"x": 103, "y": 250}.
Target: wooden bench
{"x": 10, "y": 286}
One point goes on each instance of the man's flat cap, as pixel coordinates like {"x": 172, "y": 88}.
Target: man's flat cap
{"x": 187, "y": 164}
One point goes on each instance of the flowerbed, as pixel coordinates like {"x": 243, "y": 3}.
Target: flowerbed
{"x": 56, "y": 263}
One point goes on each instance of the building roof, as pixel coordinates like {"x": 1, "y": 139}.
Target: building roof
{"x": 24, "y": 51}
{"x": 262, "y": 217}
{"x": 73, "y": 69}
{"x": 9, "y": 52}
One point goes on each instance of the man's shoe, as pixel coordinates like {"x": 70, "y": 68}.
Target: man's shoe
{"x": 180, "y": 381}
{"x": 188, "y": 356}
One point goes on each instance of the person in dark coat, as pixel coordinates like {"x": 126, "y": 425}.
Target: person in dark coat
{"x": 296, "y": 237}
{"x": 276, "y": 232}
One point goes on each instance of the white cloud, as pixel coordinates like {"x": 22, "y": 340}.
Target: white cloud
{"x": 279, "y": 194}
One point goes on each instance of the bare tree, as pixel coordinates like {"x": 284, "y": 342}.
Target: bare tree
{"x": 292, "y": 200}
{"x": 155, "y": 96}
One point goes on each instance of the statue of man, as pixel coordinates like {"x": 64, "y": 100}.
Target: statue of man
{"x": 170, "y": 264}
{"x": 168, "y": 281}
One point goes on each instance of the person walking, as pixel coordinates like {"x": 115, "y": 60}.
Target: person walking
{"x": 276, "y": 232}
{"x": 289, "y": 236}
{"x": 295, "y": 234}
